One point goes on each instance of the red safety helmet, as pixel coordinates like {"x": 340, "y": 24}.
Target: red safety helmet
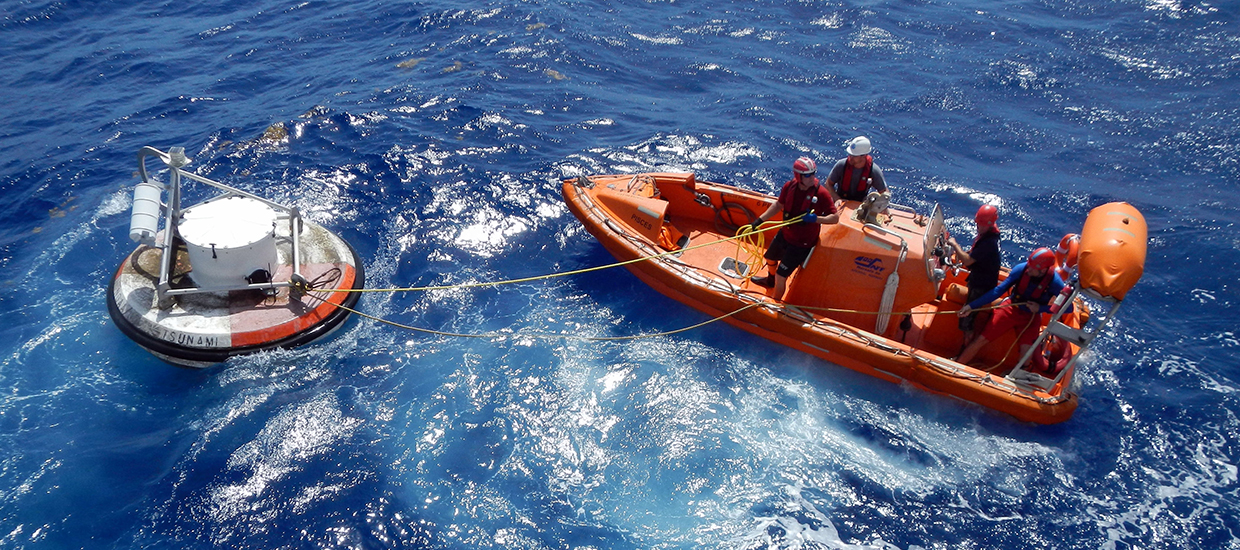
{"x": 987, "y": 216}
{"x": 805, "y": 166}
{"x": 1068, "y": 249}
{"x": 1042, "y": 259}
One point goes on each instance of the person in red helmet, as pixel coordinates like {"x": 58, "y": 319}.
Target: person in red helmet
{"x": 1032, "y": 284}
{"x": 791, "y": 246}
{"x": 983, "y": 260}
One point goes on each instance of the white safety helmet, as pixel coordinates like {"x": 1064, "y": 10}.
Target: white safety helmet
{"x": 859, "y": 146}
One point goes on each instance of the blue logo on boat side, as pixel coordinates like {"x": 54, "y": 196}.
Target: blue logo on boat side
{"x": 870, "y": 265}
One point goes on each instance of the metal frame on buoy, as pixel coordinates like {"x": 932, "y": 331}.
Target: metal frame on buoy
{"x": 278, "y": 280}
{"x": 1080, "y": 337}
{"x": 141, "y": 229}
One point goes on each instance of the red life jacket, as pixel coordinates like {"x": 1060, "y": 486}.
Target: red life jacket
{"x": 1022, "y": 293}
{"x": 808, "y": 201}
{"x": 803, "y": 234}
{"x": 851, "y": 192}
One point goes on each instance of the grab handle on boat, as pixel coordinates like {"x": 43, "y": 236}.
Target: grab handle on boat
{"x": 884, "y": 230}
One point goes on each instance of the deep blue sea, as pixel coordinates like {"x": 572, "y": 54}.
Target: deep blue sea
{"x": 433, "y": 135}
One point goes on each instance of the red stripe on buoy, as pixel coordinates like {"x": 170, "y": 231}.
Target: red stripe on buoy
{"x": 294, "y": 322}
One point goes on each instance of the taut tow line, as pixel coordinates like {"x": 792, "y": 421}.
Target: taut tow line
{"x": 301, "y": 284}
{"x": 545, "y": 335}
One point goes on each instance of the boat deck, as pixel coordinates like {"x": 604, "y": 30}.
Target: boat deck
{"x": 933, "y": 325}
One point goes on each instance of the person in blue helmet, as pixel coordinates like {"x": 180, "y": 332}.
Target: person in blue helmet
{"x": 1033, "y": 285}
{"x": 855, "y": 176}
{"x": 791, "y": 246}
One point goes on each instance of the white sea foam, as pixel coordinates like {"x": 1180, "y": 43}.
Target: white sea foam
{"x": 283, "y": 446}
{"x": 660, "y": 40}
{"x": 1144, "y": 64}
{"x": 874, "y": 38}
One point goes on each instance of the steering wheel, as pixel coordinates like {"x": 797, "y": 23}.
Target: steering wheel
{"x": 944, "y": 253}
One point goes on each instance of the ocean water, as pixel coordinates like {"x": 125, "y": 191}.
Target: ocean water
{"x": 432, "y": 136}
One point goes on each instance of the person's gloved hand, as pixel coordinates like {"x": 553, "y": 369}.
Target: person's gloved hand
{"x": 749, "y": 228}
{"x": 810, "y": 217}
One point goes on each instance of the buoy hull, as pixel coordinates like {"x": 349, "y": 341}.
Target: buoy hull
{"x": 203, "y": 329}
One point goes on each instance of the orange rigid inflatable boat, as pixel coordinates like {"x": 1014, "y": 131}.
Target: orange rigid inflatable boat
{"x": 877, "y": 295}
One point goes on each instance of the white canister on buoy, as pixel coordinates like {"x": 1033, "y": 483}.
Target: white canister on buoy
{"x": 227, "y": 240}
{"x": 144, "y": 221}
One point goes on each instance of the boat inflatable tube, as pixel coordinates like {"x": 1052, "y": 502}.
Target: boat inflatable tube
{"x": 1112, "y": 250}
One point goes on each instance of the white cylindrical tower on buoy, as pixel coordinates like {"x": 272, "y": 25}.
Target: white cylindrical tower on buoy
{"x": 228, "y": 239}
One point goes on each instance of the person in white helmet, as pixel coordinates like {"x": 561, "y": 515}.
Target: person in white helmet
{"x": 854, "y": 177}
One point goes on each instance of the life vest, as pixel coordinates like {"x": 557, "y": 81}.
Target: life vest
{"x": 802, "y": 234}
{"x": 808, "y": 201}
{"x": 1066, "y": 255}
{"x": 1023, "y": 291}
{"x": 1052, "y": 356}
{"x": 851, "y": 192}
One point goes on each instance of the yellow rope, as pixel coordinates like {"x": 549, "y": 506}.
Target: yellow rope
{"x": 308, "y": 291}
{"x": 537, "y": 334}
{"x": 547, "y": 276}
{"x": 910, "y": 312}
{"x": 753, "y": 242}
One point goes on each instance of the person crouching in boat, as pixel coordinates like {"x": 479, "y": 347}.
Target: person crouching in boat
{"x": 983, "y": 260}
{"x": 791, "y": 246}
{"x": 1033, "y": 284}
{"x": 853, "y": 177}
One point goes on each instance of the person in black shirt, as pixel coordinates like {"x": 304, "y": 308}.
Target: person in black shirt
{"x": 983, "y": 260}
